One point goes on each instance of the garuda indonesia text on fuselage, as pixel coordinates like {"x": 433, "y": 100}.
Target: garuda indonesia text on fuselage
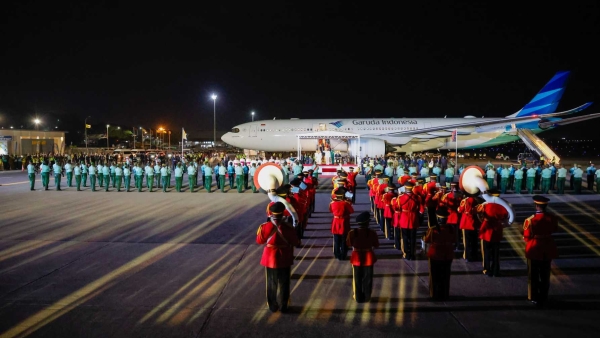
{"x": 411, "y": 134}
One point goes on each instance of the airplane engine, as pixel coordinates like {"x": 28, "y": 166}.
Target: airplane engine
{"x": 367, "y": 146}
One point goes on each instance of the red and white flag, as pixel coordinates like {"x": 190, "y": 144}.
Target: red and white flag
{"x": 454, "y": 135}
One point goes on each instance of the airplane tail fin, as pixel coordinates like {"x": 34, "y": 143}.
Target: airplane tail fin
{"x": 546, "y": 100}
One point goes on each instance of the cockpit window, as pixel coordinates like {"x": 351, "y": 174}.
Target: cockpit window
{"x": 235, "y": 130}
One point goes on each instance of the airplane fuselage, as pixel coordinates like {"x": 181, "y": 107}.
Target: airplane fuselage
{"x": 282, "y": 135}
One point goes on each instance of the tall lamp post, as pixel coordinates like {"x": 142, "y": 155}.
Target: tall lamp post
{"x": 86, "y": 139}
{"x": 107, "y": 146}
{"x": 214, "y": 97}
{"x": 252, "y": 116}
{"x": 37, "y": 123}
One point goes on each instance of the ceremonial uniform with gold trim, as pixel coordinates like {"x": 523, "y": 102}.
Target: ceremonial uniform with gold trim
{"x": 279, "y": 239}
{"x": 362, "y": 241}
{"x": 441, "y": 239}
{"x": 494, "y": 217}
{"x": 469, "y": 224}
{"x": 340, "y": 224}
{"x": 540, "y": 251}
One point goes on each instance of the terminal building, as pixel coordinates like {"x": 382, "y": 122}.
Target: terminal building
{"x": 23, "y": 141}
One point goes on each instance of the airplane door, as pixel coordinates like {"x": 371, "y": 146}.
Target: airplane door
{"x": 252, "y": 130}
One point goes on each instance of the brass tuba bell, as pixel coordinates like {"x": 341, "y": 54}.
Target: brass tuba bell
{"x": 267, "y": 178}
{"x": 471, "y": 181}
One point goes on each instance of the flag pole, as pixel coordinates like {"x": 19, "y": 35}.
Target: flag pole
{"x": 456, "y": 147}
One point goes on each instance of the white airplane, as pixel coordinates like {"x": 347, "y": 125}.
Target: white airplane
{"x": 370, "y": 135}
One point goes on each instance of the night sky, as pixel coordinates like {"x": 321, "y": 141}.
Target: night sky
{"x": 136, "y": 64}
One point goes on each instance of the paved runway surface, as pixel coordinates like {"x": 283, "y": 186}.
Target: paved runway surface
{"x": 98, "y": 264}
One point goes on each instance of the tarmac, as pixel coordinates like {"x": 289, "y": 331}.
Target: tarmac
{"x": 118, "y": 264}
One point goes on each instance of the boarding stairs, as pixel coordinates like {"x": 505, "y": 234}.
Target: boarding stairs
{"x": 537, "y": 145}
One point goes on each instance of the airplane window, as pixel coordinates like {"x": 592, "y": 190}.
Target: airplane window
{"x": 235, "y": 130}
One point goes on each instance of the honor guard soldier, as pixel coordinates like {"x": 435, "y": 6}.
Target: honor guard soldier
{"x": 408, "y": 206}
{"x": 92, "y": 172}
{"x": 388, "y": 212}
{"x": 31, "y": 174}
{"x": 222, "y": 173}
{"x": 530, "y": 180}
{"x": 69, "y": 172}
{"x": 163, "y": 177}
{"x": 100, "y": 175}
{"x": 57, "y": 169}
{"x": 561, "y": 178}
{"x": 279, "y": 239}
{"x": 191, "y": 172}
{"x": 372, "y": 184}
{"x": 208, "y": 174}
{"x": 84, "y": 173}
{"x": 239, "y": 176}
{"x": 441, "y": 240}
{"x": 139, "y": 176}
{"x": 251, "y": 176}
{"x": 157, "y": 175}
{"x": 518, "y": 180}
{"x": 546, "y": 175}
{"x": 577, "y": 177}
{"x": 106, "y": 174}
{"x": 494, "y": 219}
{"x": 469, "y": 224}
{"x": 113, "y": 173}
{"x": 127, "y": 177}
{"x": 149, "y": 177}
{"x": 540, "y": 250}
{"x": 118, "y": 177}
{"x": 340, "y": 225}
{"x": 362, "y": 241}
{"x": 178, "y": 177}
{"x": 77, "y": 171}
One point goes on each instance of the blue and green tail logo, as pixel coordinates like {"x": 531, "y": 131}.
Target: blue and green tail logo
{"x": 337, "y": 124}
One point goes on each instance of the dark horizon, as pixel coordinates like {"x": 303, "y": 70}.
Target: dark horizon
{"x": 157, "y": 66}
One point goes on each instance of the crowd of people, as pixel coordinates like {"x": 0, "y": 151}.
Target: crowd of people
{"x": 400, "y": 207}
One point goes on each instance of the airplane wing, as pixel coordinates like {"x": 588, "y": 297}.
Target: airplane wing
{"x": 563, "y": 122}
{"x": 470, "y": 125}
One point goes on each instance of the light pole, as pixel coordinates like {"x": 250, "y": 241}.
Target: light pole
{"x": 214, "y": 97}
{"x": 86, "y": 139}
{"x": 169, "y": 140}
{"x": 252, "y": 116}
{"x": 107, "y": 146}
{"x": 37, "y": 123}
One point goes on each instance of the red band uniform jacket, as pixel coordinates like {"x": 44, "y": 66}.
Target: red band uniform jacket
{"x": 280, "y": 241}
{"x": 537, "y": 232}
{"x": 494, "y": 216}
{"x": 362, "y": 240}
{"x": 341, "y": 211}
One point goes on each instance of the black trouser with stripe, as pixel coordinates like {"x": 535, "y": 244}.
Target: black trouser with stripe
{"x": 439, "y": 279}
{"x": 278, "y": 287}
{"x": 538, "y": 280}
{"x": 491, "y": 257}
{"x": 409, "y": 239}
{"x": 362, "y": 283}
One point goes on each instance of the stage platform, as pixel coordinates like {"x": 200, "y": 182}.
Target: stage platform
{"x": 331, "y": 169}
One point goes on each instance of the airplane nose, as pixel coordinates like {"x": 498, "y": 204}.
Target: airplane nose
{"x": 226, "y": 138}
